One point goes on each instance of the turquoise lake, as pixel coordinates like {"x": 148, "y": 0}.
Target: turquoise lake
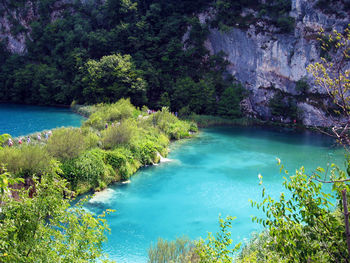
{"x": 22, "y": 119}
{"x": 212, "y": 174}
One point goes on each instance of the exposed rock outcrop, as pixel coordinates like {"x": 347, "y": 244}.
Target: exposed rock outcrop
{"x": 267, "y": 62}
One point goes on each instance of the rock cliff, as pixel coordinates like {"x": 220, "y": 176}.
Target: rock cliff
{"x": 266, "y": 61}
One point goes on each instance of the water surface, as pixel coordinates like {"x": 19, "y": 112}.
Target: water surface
{"x": 19, "y": 120}
{"x": 215, "y": 173}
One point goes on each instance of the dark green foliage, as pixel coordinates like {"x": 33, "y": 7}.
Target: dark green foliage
{"x": 302, "y": 86}
{"x": 283, "y": 106}
{"x": 112, "y": 78}
{"x": 286, "y": 24}
{"x": 230, "y": 14}
{"x": 88, "y": 168}
{"x": 229, "y": 104}
{"x": 333, "y": 6}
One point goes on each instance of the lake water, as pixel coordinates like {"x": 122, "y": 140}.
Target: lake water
{"x": 212, "y": 174}
{"x": 23, "y": 119}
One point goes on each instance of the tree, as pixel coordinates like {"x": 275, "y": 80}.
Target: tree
{"x": 112, "y": 78}
{"x": 229, "y": 104}
{"x": 45, "y": 228}
{"x": 333, "y": 75}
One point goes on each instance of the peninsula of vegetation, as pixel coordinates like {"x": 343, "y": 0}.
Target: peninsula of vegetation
{"x": 112, "y": 144}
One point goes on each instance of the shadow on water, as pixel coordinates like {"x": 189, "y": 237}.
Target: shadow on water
{"x": 281, "y": 134}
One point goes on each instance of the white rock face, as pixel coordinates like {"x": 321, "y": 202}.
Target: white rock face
{"x": 265, "y": 61}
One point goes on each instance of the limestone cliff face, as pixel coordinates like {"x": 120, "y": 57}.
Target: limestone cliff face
{"x": 265, "y": 61}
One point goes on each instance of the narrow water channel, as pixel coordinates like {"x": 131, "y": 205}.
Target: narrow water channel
{"x": 215, "y": 173}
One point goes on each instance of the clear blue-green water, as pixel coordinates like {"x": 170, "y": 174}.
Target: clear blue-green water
{"x": 24, "y": 119}
{"x": 215, "y": 173}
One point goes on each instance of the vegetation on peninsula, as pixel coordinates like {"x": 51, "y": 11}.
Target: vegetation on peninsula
{"x": 111, "y": 145}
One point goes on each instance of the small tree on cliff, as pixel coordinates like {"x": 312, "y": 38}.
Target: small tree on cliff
{"x": 333, "y": 75}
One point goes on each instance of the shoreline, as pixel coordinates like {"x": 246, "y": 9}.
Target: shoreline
{"x": 206, "y": 121}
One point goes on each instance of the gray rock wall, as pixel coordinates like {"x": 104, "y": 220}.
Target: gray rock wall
{"x": 265, "y": 61}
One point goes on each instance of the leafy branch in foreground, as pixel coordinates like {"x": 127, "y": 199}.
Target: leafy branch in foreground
{"x": 217, "y": 249}
{"x": 44, "y": 228}
{"x": 302, "y": 224}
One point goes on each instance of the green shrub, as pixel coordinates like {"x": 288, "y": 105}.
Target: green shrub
{"x": 120, "y": 160}
{"x": 91, "y": 139}
{"x": 146, "y": 152}
{"x": 120, "y": 134}
{"x": 66, "y": 143}
{"x": 154, "y": 135}
{"x": 88, "y": 168}
{"x": 111, "y": 113}
{"x": 171, "y": 125}
{"x": 26, "y": 160}
{"x": 259, "y": 250}
{"x": 282, "y": 106}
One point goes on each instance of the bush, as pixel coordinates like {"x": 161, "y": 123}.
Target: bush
{"x": 91, "y": 139}
{"x": 120, "y": 134}
{"x": 283, "y": 106}
{"x": 171, "y": 125}
{"x": 26, "y": 160}
{"x": 66, "y": 143}
{"x": 87, "y": 168}
{"x": 110, "y": 113}
{"x": 229, "y": 104}
{"x": 119, "y": 159}
{"x": 258, "y": 250}
{"x": 146, "y": 152}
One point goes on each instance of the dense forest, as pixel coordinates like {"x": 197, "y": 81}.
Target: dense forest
{"x": 101, "y": 51}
